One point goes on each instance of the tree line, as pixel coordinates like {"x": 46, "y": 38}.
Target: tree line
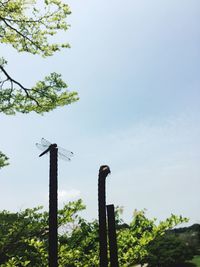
{"x": 24, "y": 239}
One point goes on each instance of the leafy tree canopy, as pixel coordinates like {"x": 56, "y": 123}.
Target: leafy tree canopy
{"x": 24, "y": 237}
{"x": 27, "y": 26}
{"x": 133, "y": 241}
{"x": 168, "y": 251}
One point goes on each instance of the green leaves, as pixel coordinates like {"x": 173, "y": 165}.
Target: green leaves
{"x": 3, "y": 160}
{"x": 45, "y": 96}
{"x": 24, "y": 237}
{"x": 27, "y": 25}
{"x": 168, "y": 250}
{"x": 133, "y": 241}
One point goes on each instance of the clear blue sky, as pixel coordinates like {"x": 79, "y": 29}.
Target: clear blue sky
{"x": 135, "y": 65}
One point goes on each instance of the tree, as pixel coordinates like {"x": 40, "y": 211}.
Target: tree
{"x": 168, "y": 251}
{"x": 27, "y": 26}
{"x": 24, "y": 237}
{"x": 133, "y": 241}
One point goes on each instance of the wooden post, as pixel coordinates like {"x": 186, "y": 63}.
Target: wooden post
{"x": 112, "y": 236}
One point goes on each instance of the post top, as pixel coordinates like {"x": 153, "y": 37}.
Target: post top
{"x": 104, "y": 170}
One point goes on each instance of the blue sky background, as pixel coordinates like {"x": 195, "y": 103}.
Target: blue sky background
{"x": 135, "y": 65}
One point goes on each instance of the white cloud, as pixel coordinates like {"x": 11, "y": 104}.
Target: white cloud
{"x": 64, "y": 195}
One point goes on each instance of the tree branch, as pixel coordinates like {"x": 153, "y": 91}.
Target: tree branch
{"x": 19, "y": 84}
{"x": 25, "y": 37}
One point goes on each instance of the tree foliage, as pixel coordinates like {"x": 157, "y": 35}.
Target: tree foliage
{"x": 45, "y": 96}
{"x": 3, "y": 160}
{"x": 24, "y": 237}
{"x": 28, "y": 26}
{"x": 133, "y": 241}
{"x": 168, "y": 251}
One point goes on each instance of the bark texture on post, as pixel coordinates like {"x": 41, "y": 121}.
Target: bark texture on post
{"x": 112, "y": 236}
{"x": 103, "y": 173}
{"x": 53, "y": 208}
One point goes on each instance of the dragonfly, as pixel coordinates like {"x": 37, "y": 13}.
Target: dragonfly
{"x": 45, "y": 146}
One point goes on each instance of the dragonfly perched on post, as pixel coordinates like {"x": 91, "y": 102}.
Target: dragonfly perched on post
{"x": 55, "y": 152}
{"x": 45, "y": 146}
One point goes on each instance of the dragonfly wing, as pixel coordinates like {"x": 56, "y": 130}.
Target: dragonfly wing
{"x": 41, "y": 147}
{"x": 65, "y": 152}
{"x": 64, "y": 157}
{"x": 45, "y": 142}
